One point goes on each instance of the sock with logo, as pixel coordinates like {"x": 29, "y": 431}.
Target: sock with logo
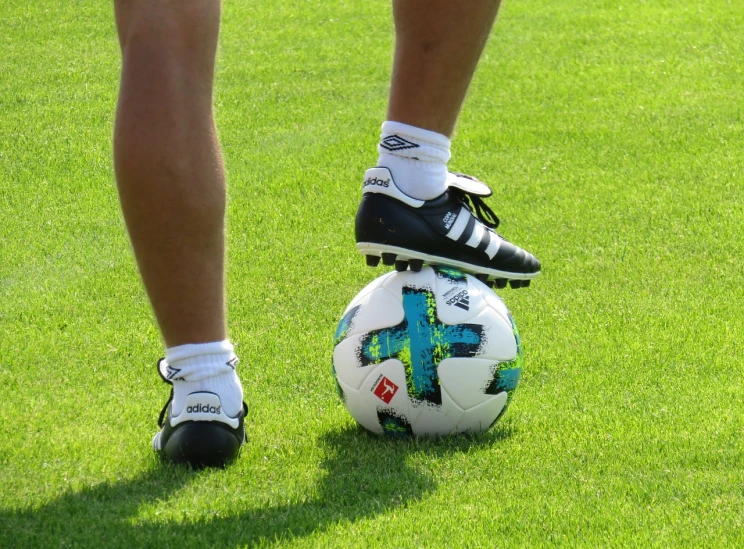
{"x": 205, "y": 367}
{"x": 416, "y": 157}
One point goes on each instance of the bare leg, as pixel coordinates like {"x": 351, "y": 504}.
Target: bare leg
{"x": 413, "y": 211}
{"x": 438, "y": 45}
{"x": 172, "y": 190}
{"x": 168, "y": 165}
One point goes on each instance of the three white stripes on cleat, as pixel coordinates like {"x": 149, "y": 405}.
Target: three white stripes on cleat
{"x": 477, "y": 233}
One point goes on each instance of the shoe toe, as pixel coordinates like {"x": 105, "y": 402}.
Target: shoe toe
{"x": 515, "y": 259}
{"x": 531, "y": 263}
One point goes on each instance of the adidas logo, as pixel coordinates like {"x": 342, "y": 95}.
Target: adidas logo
{"x": 203, "y": 409}
{"x": 461, "y": 300}
{"x": 375, "y": 181}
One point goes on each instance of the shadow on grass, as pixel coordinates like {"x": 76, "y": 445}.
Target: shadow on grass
{"x": 363, "y": 476}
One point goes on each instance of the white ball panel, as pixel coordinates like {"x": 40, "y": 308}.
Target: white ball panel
{"x": 457, "y": 302}
{"x": 499, "y": 343}
{"x": 480, "y": 286}
{"x": 377, "y": 310}
{"x": 438, "y": 420}
{"x": 481, "y": 417}
{"x": 359, "y": 410}
{"x": 368, "y": 289}
{"x": 495, "y": 302}
{"x": 465, "y": 379}
{"x": 346, "y": 362}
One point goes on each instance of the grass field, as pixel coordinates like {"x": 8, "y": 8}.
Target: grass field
{"x": 613, "y": 133}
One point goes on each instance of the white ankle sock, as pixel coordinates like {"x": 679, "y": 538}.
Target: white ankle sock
{"x": 417, "y": 158}
{"x": 205, "y": 367}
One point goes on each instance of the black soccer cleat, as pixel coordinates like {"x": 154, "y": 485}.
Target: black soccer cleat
{"x": 202, "y": 435}
{"x": 455, "y": 229}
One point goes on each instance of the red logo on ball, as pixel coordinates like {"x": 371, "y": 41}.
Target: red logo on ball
{"x": 386, "y": 390}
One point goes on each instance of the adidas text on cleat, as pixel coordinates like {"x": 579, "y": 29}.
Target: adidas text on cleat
{"x": 455, "y": 229}
{"x": 202, "y": 435}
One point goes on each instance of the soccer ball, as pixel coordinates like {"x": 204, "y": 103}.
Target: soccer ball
{"x": 426, "y": 353}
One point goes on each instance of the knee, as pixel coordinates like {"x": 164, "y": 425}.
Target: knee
{"x": 168, "y": 27}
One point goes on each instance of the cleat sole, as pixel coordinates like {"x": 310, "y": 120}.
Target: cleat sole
{"x": 416, "y": 265}
{"x": 388, "y": 259}
{"x": 373, "y": 260}
{"x": 392, "y": 254}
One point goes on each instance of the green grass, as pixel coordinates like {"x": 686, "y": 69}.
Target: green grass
{"x": 612, "y": 133}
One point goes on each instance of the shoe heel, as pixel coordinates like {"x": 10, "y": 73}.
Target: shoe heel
{"x": 203, "y": 444}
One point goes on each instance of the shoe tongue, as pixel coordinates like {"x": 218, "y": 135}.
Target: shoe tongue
{"x": 467, "y": 183}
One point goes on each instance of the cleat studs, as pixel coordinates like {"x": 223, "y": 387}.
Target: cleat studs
{"x": 489, "y": 283}
{"x": 388, "y": 259}
{"x": 500, "y": 283}
{"x": 525, "y": 283}
{"x": 482, "y": 277}
{"x": 401, "y": 265}
{"x": 416, "y": 264}
{"x": 373, "y": 261}
{"x": 515, "y": 284}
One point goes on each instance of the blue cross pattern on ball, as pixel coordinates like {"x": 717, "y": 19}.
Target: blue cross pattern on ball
{"x": 421, "y": 342}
